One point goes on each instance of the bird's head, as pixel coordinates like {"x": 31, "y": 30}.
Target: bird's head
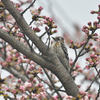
{"x": 58, "y": 39}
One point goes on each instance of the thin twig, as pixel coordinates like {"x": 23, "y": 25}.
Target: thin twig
{"x": 28, "y": 42}
{"x": 89, "y": 37}
{"x": 75, "y": 52}
{"x": 44, "y": 33}
{"x": 28, "y": 7}
{"x": 52, "y": 83}
{"x": 12, "y": 28}
{"x": 98, "y": 92}
{"x": 92, "y": 82}
{"x": 78, "y": 55}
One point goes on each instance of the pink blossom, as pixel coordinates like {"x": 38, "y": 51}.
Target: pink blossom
{"x": 22, "y": 88}
{"x": 27, "y": 85}
{"x": 34, "y": 12}
{"x": 39, "y": 23}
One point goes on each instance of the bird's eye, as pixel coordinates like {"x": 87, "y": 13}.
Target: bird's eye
{"x": 60, "y": 38}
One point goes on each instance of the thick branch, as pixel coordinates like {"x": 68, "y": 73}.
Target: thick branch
{"x": 23, "y": 49}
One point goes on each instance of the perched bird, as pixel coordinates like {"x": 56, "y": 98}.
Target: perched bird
{"x": 59, "y": 48}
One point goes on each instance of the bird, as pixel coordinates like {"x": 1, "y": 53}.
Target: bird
{"x": 59, "y": 48}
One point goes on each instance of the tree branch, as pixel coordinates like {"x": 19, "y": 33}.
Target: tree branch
{"x": 25, "y": 27}
{"x": 23, "y": 48}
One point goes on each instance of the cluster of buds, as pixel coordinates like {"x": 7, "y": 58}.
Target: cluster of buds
{"x": 50, "y": 25}
{"x": 94, "y": 27}
{"x": 97, "y": 12}
{"x": 93, "y": 61}
{"x": 36, "y": 29}
{"x": 17, "y": 5}
{"x": 46, "y": 20}
{"x": 35, "y": 13}
{"x": 88, "y": 28}
{"x": 83, "y": 95}
{"x": 32, "y": 71}
{"x": 88, "y": 48}
{"x": 77, "y": 45}
{"x": 78, "y": 68}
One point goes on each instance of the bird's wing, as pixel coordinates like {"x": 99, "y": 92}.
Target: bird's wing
{"x": 65, "y": 51}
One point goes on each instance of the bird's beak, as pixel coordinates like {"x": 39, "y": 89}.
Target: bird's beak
{"x": 54, "y": 38}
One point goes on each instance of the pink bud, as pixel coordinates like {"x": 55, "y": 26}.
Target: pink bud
{"x": 92, "y": 12}
{"x": 40, "y": 8}
{"x": 85, "y": 27}
{"x": 91, "y": 44}
{"x": 89, "y": 23}
{"x": 77, "y": 66}
{"x": 87, "y": 59}
{"x": 87, "y": 67}
{"x": 71, "y": 41}
{"x": 98, "y": 17}
{"x": 19, "y": 81}
{"x": 92, "y": 56}
{"x": 95, "y": 23}
{"x": 50, "y": 19}
{"x": 55, "y": 31}
{"x": 94, "y": 48}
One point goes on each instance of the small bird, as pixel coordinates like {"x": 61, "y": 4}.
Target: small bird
{"x": 59, "y": 48}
